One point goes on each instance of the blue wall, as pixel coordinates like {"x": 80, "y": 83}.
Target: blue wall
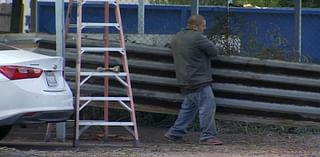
{"x": 259, "y": 27}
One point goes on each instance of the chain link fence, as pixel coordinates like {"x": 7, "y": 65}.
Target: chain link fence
{"x": 160, "y": 40}
{"x": 264, "y": 29}
{"x": 267, "y": 29}
{"x": 254, "y": 30}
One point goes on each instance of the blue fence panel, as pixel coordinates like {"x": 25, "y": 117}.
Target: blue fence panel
{"x": 311, "y": 34}
{"x": 91, "y": 13}
{"x": 45, "y": 17}
{"x": 262, "y": 27}
{"x": 165, "y": 20}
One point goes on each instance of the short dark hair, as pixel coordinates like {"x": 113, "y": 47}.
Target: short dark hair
{"x": 195, "y": 21}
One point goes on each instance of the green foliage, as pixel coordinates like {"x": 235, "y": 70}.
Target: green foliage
{"x": 188, "y": 2}
{"x": 311, "y": 3}
{"x": 259, "y": 3}
{"x": 185, "y": 2}
{"x": 286, "y": 3}
{"x": 280, "y": 3}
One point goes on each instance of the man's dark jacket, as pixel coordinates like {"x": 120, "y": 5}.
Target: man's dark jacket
{"x": 192, "y": 53}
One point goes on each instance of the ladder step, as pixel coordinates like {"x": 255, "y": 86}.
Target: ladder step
{"x": 94, "y": 25}
{"x": 104, "y": 123}
{"x": 106, "y": 98}
{"x": 121, "y": 74}
{"x": 101, "y": 49}
{"x": 97, "y": 1}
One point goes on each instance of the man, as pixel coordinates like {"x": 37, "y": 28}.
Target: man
{"x": 192, "y": 53}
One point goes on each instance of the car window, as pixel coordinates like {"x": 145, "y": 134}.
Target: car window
{"x": 5, "y": 47}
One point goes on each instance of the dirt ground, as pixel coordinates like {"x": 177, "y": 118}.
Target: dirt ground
{"x": 29, "y": 142}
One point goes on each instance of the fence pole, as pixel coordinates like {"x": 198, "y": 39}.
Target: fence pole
{"x": 195, "y": 7}
{"x": 297, "y": 28}
{"x": 34, "y": 20}
{"x": 141, "y": 17}
{"x": 229, "y": 2}
{"x": 16, "y": 16}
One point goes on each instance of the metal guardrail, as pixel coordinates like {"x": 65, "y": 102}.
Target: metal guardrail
{"x": 267, "y": 91}
{"x": 241, "y": 85}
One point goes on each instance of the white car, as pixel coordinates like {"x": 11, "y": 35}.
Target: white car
{"x": 32, "y": 89}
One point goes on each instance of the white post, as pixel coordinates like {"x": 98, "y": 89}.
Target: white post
{"x": 60, "y": 48}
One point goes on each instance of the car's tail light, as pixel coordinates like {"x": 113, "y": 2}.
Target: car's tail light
{"x": 20, "y": 72}
{"x": 29, "y": 114}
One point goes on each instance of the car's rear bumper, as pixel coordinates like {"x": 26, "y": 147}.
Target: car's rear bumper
{"x": 20, "y": 104}
{"x": 37, "y": 117}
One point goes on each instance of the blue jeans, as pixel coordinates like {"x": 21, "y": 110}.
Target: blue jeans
{"x": 203, "y": 102}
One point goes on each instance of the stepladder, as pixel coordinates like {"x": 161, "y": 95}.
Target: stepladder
{"x": 115, "y": 70}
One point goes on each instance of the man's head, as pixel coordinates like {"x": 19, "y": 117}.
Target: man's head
{"x": 197, "y": 23}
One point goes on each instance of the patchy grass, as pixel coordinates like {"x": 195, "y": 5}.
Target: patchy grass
{"x": 224, "y": 126}
{"x": 260, "y": 129}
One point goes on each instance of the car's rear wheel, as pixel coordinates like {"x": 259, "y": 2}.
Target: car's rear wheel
{"x": 4, "y": 131}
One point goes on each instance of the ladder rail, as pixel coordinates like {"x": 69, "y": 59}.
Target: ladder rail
{"x": 125, "y": 105}
{"x": 78, "y": 79}
{"x": 126, "y": 69}
{"x": 106, "y": 65}
{"x": 85, "y": 80}
{"x": 84, "y": 105}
